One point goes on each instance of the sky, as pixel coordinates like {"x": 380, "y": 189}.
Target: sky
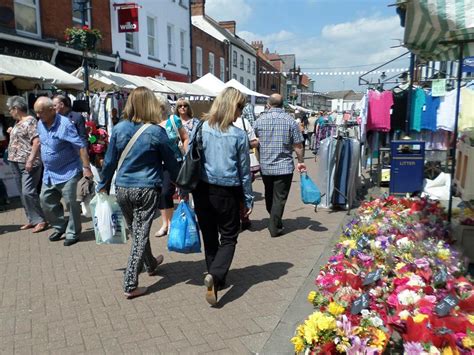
{"x": 327, "y": 36}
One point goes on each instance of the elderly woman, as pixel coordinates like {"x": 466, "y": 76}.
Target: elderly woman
{"x": 225, "y": 182}
{"x": 178, "y": 140}
{"x": 140, "y": 178}
{"x": 23, "y": 154}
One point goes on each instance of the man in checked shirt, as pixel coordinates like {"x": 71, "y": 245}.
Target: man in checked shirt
{"x": 279, "y": 135}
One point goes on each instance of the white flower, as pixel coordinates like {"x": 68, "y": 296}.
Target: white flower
{"x": 377, "y": 322}
{"x": 434, "y": 350}
{"x": 404, "y": 314}
{"x": 404, "y": 243}
{"x": 416, "y": 280}
{"x": 407, "y": 297}
{"x": 365, "y": 313}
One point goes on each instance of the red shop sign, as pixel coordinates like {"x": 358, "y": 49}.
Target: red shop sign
{"x": 127, "y": 17}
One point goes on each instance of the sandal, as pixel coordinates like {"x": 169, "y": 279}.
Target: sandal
{"x": 26, "y": 226}
{"x": 159, "y": 260}
{"x": 139, "y": 291}
{"x": 161, "y": 232}
{"x": 40, "y": 227}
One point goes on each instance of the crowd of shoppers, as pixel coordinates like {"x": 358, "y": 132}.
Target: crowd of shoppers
{"x": 145, "y": 152}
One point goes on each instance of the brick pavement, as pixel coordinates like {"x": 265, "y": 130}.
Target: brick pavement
{"x": 60, "y": 300}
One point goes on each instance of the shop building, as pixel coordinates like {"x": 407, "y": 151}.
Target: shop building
{"x": 162, "y": 45}
{"x": 29, "y": 29}
{"x": 268, "y": 77}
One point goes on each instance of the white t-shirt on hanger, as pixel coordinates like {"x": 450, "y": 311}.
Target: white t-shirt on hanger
{"x": 447, "y": 112}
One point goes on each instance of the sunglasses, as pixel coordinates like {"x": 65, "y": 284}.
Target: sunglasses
{"x": 179, "y": 106}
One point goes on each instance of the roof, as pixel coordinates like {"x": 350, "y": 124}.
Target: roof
{"x": 349, "y": 95}
{"x": 205, "y": 26}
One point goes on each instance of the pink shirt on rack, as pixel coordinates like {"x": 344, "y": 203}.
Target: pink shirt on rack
{"x": 380, "y": 103}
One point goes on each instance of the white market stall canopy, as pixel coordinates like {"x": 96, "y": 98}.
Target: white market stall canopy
{"x": 181, "y": 88}
{"x": 433, "y": 28}
{"x": 237, "y": 85}
{"x": 211, "y": 83}
{"x": 26, "y": 73}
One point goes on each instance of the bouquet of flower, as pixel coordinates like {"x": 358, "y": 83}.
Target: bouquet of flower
{"x": 82, "y": 38}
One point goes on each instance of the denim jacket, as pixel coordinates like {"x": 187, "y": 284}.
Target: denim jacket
{"x": 226, "y": 160}
{"x": 144, "y": 164}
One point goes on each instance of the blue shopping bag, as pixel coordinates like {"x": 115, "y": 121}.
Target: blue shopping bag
{"x": 310, "y": 193}
{"x": 184, "y": 236}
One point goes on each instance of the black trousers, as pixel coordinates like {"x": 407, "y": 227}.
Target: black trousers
{"x": 277, "y": 188}
{"x": 217, "y": 210}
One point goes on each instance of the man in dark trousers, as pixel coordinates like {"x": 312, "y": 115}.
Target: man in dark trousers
{"x": 279, "y": 135}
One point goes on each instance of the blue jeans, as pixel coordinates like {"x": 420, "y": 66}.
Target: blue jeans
{"x": 53, "y": 209}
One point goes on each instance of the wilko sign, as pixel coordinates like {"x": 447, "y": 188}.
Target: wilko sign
{"x": 127, "y": 17}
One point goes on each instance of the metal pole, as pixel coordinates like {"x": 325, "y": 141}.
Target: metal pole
{"x": 85, "y": 64}
{"x": 409, "y": 98}
{"x": 458, "y": 98}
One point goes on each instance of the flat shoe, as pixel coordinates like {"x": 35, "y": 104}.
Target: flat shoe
{"x": 55, "y": 236}
{"x": 211, "y": 294}
{"x": 26, "y": 226}
{"x": 161, "y": 233}
{"x": 69, "y": 242}
{"x": 139, "y": 291}
{"x": 40, "y": 227}
{"x": 159, "y": 260}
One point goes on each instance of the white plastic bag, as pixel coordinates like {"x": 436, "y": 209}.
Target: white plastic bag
{"x": 109, "y": 224}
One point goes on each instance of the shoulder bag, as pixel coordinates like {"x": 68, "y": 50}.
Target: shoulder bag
{"x": 130, "y": 144}
{"x": 254, "y": 163}
{"x": 190, "y": 172}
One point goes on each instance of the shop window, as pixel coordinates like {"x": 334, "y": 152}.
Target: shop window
{"x": 27, "y": 17}
{"x": 198, "y": 62}
{"x": 211, "y": 63}
{"x": 131, "y": 41}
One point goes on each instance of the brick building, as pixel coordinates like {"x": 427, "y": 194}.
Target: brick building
{"x": 32, "y": 30}
{"x": 269, "y": 78}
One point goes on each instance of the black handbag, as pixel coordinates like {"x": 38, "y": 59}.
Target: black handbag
{"x": 190, "y": 172}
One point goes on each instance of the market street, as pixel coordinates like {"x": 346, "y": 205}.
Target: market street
{"x": 62, "y": 300}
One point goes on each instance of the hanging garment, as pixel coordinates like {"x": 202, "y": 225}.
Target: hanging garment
{"x": 466, "y": 113}
{"x": 325, "y": 164}
{"x": 417, "y": 103}
{"x": 95, "y": 104}
{"x": 399, "y": 111}
{"x": 363, "y": 117}
{"x": 447, "y": 112}
{"x": 379, "y": 111}
{"x": 102, "y": 117}
{"x": 343, "y": 164}
{"x": 428, "y": 115}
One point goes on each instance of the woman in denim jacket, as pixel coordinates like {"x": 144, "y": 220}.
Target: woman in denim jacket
{"x": 139, "y": 180}
{"x": 225, "y": 182}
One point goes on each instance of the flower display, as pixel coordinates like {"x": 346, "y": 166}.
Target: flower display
{"x": 394, "y": 283}
{"x": 82, "y": 38}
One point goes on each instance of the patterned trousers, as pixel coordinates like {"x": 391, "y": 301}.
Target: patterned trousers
{"x": 138, "y": 206}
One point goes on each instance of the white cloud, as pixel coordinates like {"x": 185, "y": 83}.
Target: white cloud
{"x": 240, "y": 10}
{"x": 339, "y": 46}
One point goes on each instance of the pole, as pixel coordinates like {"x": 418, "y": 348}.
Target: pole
{"x": 85, "y": 65}
{"x": 458, "y": 99}
{"x": 409, "y": 98}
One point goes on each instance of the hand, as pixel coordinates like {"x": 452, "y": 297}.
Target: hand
{"x": 28, "y": 165}
{"x": 87, "y": 172}
{"x": 248, "y": 211}
{"x": 9, "y": 129}
{"x": 301, "y": 167}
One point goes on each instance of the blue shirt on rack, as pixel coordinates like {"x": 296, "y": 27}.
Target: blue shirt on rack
{"x": 429, "y": 113}
{"x": 60, "y": 145}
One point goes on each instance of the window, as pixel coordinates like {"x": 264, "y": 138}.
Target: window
{"x": 234, "y": 59}
{"x": 222, "y": 69}
{"x": 234, "y": 76}
{"x": 27, "y": 17}
{"x": 182, "y": 46}
{"x": 253, "y": 86}
{"x": 253, "y": 68}
{"x": 248, "y": 83}
{"x": 248, "y": 65}
{"x": 241, "y": 62}
{"x": 170, "y": 37}
{"x": 211, "y": 63}
{"x": 242, "y": 80}
{"x": 131, "y": 41}
{"x": 77, "y": 14}
{"x": 151, "y": 25}
{"x": 198, "y": 61}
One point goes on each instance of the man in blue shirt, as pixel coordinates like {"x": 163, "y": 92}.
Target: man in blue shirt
{"x": 279, "y": 135}
{"x": 65, "y": 160}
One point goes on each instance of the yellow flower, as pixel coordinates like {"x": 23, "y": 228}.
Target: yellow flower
{"x": 350, "y": 243}
{"x": 471, "y": 318}
{"x": 335, "y": 309}
{"x": 326, "y": 323}
{"x": 298, "y": 343}
{"x": 399, "y": 266}
{"x": 450, "y": 351}
{"x": 468, "y": 342}
{"x": 311, "y": 296}
{"x": 419, "y": 318}
{"x": 379, "y": 338}
{"x": 443, "y": 254}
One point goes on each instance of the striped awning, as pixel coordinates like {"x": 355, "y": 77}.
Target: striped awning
{"x": 429, "y": 24}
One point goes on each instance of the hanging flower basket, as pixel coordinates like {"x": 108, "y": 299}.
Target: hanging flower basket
{"x": 82, "y": 38}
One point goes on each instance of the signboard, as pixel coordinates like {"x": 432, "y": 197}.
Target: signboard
{"x": 468, "y": 65}
{"x": 438, "y": 87}
{"x": 127, "y": 17}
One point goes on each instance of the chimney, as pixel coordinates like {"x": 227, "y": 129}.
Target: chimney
{"x": 228, "y": 25}
{"x": 197, "y": 7}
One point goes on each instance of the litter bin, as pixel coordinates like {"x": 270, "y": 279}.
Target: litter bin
{"x": 407, "y": 166}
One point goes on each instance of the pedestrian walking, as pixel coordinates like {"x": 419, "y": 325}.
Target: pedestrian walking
{"x": 65, "y": 159}
{"x": 278, "y": 135}
{"x": 62, "y": 105}
{"x": 225, "y": 181}
{"x": 312, "y": 119}
{"x": 23, "y": 155}
{"x": 139, "y": 180}
{"x": 178, "y": 140}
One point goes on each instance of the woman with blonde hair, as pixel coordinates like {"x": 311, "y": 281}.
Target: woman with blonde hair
{"x": 138, "y": 182}
{"x": 225, "y": 181}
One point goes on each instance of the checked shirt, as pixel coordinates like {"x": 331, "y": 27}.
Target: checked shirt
{"x": 277, "y": 133}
